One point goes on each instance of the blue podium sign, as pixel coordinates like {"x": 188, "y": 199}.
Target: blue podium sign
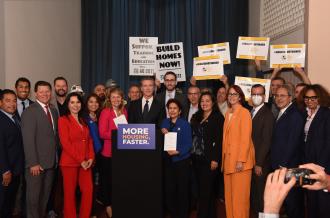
{"x": 136, "y": 136}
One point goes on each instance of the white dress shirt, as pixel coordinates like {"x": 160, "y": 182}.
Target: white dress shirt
{"x": 20, "y": 105}
{"x": 192, "y": 110}
{"x": 45, "y": 110}
{"x": 256, "y": 109}
{"x": 144, "y": 100}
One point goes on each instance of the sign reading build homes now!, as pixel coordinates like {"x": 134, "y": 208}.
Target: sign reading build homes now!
{"x": 142, "y": 60}
{"x": 290, "y": 55}
{"x": 169, "y": 57}
{"x": 208, "y": 67}
{"x": 221, "y": 49}
{"x": 136, "y": 136}
{"x": 252, "y": 48}
{"x": 246, "y": 84}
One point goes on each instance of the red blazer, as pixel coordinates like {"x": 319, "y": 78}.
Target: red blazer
{"x": 77, "y": 144}
{"x": 106, "y": 125}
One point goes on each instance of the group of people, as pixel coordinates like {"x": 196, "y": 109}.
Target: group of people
{"x": 226, "y": 146}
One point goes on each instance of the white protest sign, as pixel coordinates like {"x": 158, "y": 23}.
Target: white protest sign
{"x": 289, "y": 55}
{"x": 142, "y": 61}
{"x": 221, "y": 49}
{"x": 252, "y": 48}
{"x": 246, "y": 84}
{"x": 208, "y": 67}
{"x": 169, "y": 57}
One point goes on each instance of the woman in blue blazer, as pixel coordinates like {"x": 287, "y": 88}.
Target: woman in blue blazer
{"x": 317, "y": 143}
{"x": 177, "y": 162}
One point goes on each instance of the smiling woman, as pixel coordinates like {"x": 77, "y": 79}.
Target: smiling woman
{"x": 77, "y": 157}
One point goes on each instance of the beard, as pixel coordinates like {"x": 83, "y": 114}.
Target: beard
{"x": 60, "y": 93}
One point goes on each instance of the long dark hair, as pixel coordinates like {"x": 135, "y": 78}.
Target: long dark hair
{"x": 98, "y": 111}
{"x": 66, "y": 106}
{"x": 198, "y": 116}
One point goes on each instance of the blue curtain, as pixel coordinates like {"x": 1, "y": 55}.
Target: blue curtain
{"x": 108, "y": 24}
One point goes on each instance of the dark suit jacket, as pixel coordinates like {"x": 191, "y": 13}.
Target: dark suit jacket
{"x": 155, "y": 114}
{"x": 212, "y": 135}
{"x": 262, "y": 128}
{"x": 11, "y": 146}
{"x": 287, "y": 140}
{"x": 39, "y": 138}
{"x": 317, "y": 145}
{"x": 178, "y": 96}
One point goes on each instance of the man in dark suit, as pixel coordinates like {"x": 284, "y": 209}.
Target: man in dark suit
{"x": 146, "y": 109}
{"x": 170, "y": 81}
{"x": 287, "y": 144}
{"x": 262, "y": 127}
{"x": 193, "y": 97}
{"x": 39, "y": 129}
{"x": 11, "y": 152}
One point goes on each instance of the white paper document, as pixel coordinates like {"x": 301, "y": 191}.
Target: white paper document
{"x": 170, "y": 141}
{"x": 120, "y": 120}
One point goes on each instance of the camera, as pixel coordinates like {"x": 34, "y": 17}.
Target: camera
{"x": 301, "y": 174}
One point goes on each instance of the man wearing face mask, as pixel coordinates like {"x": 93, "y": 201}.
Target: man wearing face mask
{"x": 262, "y": 127}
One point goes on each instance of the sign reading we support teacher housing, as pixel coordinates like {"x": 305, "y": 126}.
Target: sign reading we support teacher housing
{"x": 142, "y": 61}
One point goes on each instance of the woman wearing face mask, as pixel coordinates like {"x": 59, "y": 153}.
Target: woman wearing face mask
{"x": 207, "y": 126}
{"x": 317, "y": 143}
{"x": 76, "y": 158}
{"x": 114, "y": 107}
{"x": 237, "y": 155}
{"x": 177, "y": 163}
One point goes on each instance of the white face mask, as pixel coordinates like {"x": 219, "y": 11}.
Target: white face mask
{"x": 257, "y": 100}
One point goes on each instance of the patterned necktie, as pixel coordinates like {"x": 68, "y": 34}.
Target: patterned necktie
{"x": 49, "y": 116}
{"x": 252, "y": 112}
{"x": 145, "y": 110}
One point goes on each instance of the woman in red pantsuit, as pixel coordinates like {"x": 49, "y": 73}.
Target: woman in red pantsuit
{"x": 76, "y": 158}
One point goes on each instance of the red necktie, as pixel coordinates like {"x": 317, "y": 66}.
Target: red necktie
{"x": 49, "y": 116}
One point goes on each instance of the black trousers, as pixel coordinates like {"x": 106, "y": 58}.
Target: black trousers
{"x": 318, "y": 204}
{"x": 8, "y": 197}
{"x": 177, "y": 176}
{"x": 206, "y": 180}
{"x": 294, "y": 203}
{"x": 106, "y": 180}
{"x": 257, "y": 191}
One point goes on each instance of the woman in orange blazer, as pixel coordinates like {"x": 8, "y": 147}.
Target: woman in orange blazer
{"x": 237, "y": 155}
{"x": 76, "y": 158}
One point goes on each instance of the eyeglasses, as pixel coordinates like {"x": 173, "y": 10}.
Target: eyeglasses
{"x": 281, "y": 96}
{"x": 311, "y": 98}
{"x": 233, "y": 94}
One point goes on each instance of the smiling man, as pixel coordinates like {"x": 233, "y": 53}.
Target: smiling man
{"x": 11, "y": 152}
{"x": 39, "y": 130}
{"x": 22, "y": 86}
{"x": 287, "y": 144}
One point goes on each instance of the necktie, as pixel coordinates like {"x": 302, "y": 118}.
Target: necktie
{"x": 279, "y": 115}
{"x": 145, "y": 110}
{"x": 252, "y": 112}
{"x": 49, "y": 116}
{"x": 16, "y": 120}
{"x": 23, "y": 103}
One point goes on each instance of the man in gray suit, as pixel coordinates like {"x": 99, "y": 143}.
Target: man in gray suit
{"x": 262, "y": 127}
{"x": 39, "y": 130}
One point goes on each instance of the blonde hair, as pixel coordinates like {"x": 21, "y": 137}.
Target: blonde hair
{"x": 107, "y": 103}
